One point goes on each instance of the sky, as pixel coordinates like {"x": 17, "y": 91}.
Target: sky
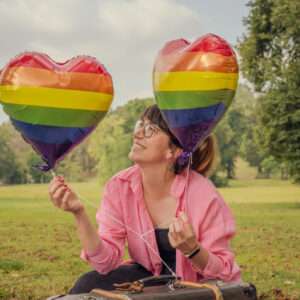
{"x": 124, "y": 35}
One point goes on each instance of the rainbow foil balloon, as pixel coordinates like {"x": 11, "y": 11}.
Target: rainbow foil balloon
{"x": 55, "y": 105}
{"x": 194, "y": 84}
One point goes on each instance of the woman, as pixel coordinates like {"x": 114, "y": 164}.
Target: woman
{"x": 189, "y": 228}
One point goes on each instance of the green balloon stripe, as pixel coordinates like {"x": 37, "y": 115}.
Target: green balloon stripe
{"x": 192, "y": 99}
{"x": 53, "y": 116}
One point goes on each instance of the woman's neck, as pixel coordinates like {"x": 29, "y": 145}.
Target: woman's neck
{"x": 157, "y": 181}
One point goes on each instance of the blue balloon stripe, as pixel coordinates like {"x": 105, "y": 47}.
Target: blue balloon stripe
{"x": 51, "y": 134}
{"x": 186, "y": 117}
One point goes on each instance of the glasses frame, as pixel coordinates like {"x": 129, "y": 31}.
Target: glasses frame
{"x": 148, "y": 129}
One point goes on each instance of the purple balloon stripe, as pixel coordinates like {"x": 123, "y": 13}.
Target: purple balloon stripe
{"x": 193, "y": 135}
{"x": 186, "y": 117}
{"x": 52, "y": 153}
{"x": 51, "y": 134}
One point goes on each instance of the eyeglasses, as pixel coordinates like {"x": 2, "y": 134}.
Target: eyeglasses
{"x": 147, "y": 128}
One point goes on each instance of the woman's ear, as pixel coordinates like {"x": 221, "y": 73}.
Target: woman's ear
{"x": 174, "y": 152}
{"x": 178, "y": 152}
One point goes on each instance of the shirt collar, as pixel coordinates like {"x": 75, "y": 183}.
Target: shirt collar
{"x": 178, "y": 185}
{"x": 135, "y": 179}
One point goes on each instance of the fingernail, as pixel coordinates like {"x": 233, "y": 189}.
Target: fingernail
{"x": 184, "y": 217}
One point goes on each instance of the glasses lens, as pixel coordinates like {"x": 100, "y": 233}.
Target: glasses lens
{"x": 138, "y": 125}
{"x": 149, "y": 129}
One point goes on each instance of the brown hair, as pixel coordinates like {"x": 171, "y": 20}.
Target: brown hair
{"x": 204, "y": 157}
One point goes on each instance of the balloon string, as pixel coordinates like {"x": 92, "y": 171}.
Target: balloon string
{"x": 141, "y": 236}
{"x": 187, "y": 181}
{"x": 186, "y": 190}
{"x": 190, "y": 161}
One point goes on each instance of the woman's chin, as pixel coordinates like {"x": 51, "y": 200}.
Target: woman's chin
{"x": 132, "y": 156}
{"x": 135, "y": 157}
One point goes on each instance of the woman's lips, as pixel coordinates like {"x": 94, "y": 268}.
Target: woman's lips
{"x": 139, "y": 145}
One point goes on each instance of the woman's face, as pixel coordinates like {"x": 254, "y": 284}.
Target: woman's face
{"x": 150, "y": 144}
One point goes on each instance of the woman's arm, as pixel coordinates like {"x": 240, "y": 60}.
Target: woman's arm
{"x": 183, "y": 238}
{"x": 103, "y": 249}
{"x": 87, "y": 232}
{"x": 214, "y": 259}
{"x": 64, "y": 198}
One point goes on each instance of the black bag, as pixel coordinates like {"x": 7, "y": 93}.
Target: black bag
{"x": 167, "y": 287}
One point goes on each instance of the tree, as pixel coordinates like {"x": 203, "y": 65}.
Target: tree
{"x": 10, "y": 170}
{"x": 111, "y": 142}
{"x": 270, "y": 54}
{"x": 232, "y": 128}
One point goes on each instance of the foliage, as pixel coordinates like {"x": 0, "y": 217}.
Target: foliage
{"x": 112, "y": 139}
{"x": 270, "y": 60}
{"x": 11, "y": 170}
{"x": 105, "y": 151}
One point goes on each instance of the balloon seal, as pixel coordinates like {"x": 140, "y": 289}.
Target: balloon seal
{"x": 44, "y": 167}
{"x": 184, "y": 158}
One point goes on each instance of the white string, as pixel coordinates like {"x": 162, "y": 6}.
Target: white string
{"x": 186, "y": 193}
{"x": 161, "y": 225}
{"x": 187, "y": 182}
{"x": 141, "y": 236}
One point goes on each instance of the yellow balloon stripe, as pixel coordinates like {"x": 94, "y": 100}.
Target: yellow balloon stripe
{"x": 56, "y": 98}
{"x": 194, "y": 81}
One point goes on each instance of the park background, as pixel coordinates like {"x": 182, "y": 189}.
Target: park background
{"x": 259, "y": 138}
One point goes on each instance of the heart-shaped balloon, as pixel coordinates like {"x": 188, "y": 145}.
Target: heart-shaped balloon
{"x": 55, "y": 105}
{"x": 194, "y": 84}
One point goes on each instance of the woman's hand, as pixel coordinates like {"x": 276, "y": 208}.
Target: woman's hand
{"x": 63, "y": 197}
{"x": 182, "y": 235}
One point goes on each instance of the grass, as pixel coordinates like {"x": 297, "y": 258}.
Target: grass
{"x": 39, "y": 250}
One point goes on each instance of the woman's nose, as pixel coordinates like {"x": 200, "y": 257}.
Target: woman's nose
{"x": 139, "y": 133}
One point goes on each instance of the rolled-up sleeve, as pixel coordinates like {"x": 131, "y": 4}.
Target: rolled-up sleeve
{"x": 216, "y": 231}
{"x": 111, "y": 230}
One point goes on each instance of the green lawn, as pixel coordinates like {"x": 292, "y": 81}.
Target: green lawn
{"x": 39, "y": 248}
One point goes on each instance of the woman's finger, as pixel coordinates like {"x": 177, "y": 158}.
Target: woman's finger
{"x": 58, "y": 195}
{"x": 53, "y": 187}
{"x": 187, "y": 227}
{"x": 171, "y": 228}
{"x": 177, "y": 226}
{"x": 65, "y": 205}
{"x": 183, "y": 216}
{"x": 172, "y": 231}
{"x": 172, "y": 236}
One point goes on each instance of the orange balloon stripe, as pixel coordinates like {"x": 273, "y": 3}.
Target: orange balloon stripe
{"x": 37, "y": 77}
{"x": 196, "y": 61}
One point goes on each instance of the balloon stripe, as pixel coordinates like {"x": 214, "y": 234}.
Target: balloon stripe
{"x": 54, "y": 116}
{"x": 190, "y": 135}
{"x": 51, "y": 134}
{"x": 196, "y": 61}
{"x": 208, "y": 43}
{"x": 34, "y": 77}
{"x": 193, "y": 99}
{"x": 186, "y": 117}
{"x": 82, "y": 63}
{"x": 56, "y": 98}
{"x": 53, "y": 153}
{"x": 194, "y": 81}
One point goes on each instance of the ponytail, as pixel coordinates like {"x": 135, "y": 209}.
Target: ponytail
{"x": 204, "y": 158}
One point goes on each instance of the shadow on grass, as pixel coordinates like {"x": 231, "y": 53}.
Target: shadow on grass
{"x": 11, "y": 265}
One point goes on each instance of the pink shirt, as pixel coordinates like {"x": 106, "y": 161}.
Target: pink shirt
{"x": 208, "y": 213}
